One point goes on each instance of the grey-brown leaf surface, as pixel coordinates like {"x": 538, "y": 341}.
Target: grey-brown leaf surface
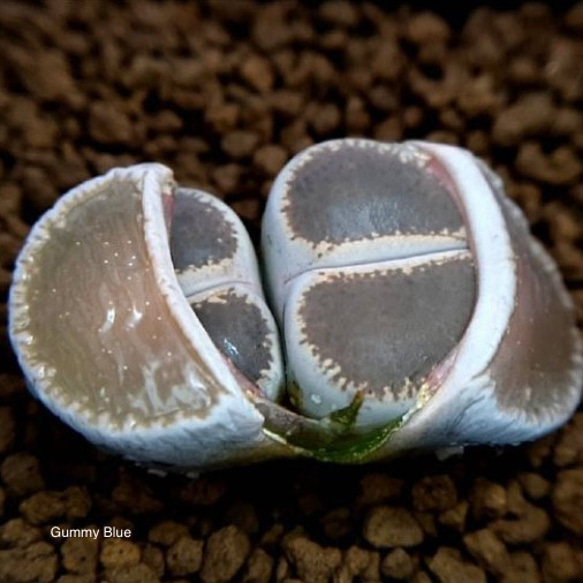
{"x": 224, "y": 93}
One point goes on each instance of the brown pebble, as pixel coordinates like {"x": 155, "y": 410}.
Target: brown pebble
{"x": 311, "y": 561}
{"x": 534, "y": 485}
{"x": 270, "y": 159}
{"x": 43, "y": 507}
{"x": 117, "y": 552}
{"x": 225, "y": 552}
{"x": 18, "y": 533}
{"x": 167, "y": 533}
{"x": 427, "y": 522}
{"x": 427, "y": 28}
{"x": 448, "y": 566}
{"x": 487, "y": 500}
{"x": 153, "y": 557}
{"x": 109, "y": 124}
{"x": 561, "y": 167}
{"x": 455, "y": 518}
{"x": 361, "y": 563}
{"x": 222, "y": 116}
{"x": 560, "y": 563}
{"x": 569, "y": 448}
{"x": 339, "y": 12}
{"x": 397, "y": 565}
{"x": 532, "y": 114}
{"x": 37, "y": 562}
{"x": 184, "y": 557}
{"x": 259, "y": 567}
{"x": 523, "y": 567}
{"x": 257, "y": 71}
{"x": 488, "y": 550}
{"x": 540, "y": 450}
{"x": 240, "y": 144}
{"x": 387, "y": 526}
{"x": 80, "y": 554}
{"x": 567, "y": 499}
{"x": 434, "y": 494}
{"x": 531, "y": 524}
{"x": 324, "y": 118}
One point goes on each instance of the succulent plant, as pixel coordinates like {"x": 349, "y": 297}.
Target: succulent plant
{"x": 408, "y": 307}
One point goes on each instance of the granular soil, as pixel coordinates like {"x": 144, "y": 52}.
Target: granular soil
{"x": 224, "y": 93}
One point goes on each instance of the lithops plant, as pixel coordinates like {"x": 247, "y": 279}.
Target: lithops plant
{"x": 411, "y": 309}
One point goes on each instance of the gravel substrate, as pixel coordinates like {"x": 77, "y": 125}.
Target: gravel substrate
{"x": 224, "y": 93}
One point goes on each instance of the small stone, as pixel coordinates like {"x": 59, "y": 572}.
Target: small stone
{"x": 398, "y": 565}
{"x": 427, "y": 28}
{"x": 18, "y": 533}
{"x": 421, "y": 577}
{"x": 339, "y": 12}
{"x": 427, "y": 522}
{"x": 259, "y": 567}
{"x": 80, "y": 554}
{"x": 434, "y": 494}
{"x": 43, "y": 507}
{"x": 487, "y": 500}
{"x": 109, "y": 124}
{"x": 531, "y": 524}
{"x": 361, "y": 563}
{"x": 153, "y": 557}
{"x": 532, "y": 114}
{"x": 37, "y": 562}
{"x": 455, "y": 518}
{"x": 270, "y": 159}
{"x": 448, "y": 567}
{"x": 522, "y": 568}
{"x": 312, "y": 562}
{"x": 223, "y": 116}
{"x": 240, "y": 144}
{"x": 257, "y": 72}
{"x": 561, "y": 167}
{"x": 488, "y": 550}
{"x": 225, "y": 553}
{"x": 286, "y": 102}
{"x": 569, "y": 448}
{"x": 184, "y": 557}
{"x": 167, "y": 533}
{"x": 118, "y": 552}
{"x": 227, "y": 177}
{"x": 560, "y": 563}
{"x": 539, "y": 451}
{"x": 534, "y": 485}
{"x": 77, "y": 502}
{"x": 567, "y": 499}
{"x": 387, "y": 526}
{"x": 324, "y": 118}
